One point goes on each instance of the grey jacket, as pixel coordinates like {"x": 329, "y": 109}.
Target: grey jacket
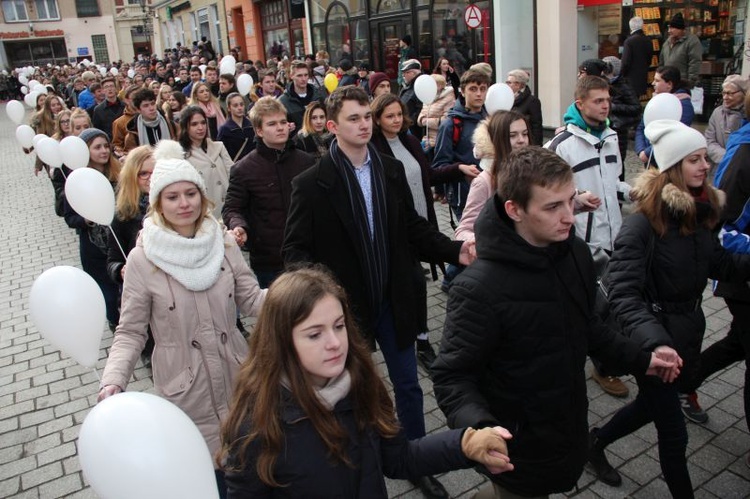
{"x": 723, "y": 121}
{"x": 686, "y": 55}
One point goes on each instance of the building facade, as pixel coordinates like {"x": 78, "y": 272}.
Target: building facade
{"x": 40, "y": 32}
{"x": 187, "y": 22}
{"x": 134, "y": 28}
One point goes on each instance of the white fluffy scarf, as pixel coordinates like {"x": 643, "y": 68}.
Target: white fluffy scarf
{"x": 193, "y": 262}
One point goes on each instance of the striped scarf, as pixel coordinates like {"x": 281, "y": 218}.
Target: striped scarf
{"x": 375, "y": 248}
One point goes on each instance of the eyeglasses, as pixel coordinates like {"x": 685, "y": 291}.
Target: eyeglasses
{"x": 65, "y": 122}
{"x": 728, "y": 93}
{"x": 144, "y": 174}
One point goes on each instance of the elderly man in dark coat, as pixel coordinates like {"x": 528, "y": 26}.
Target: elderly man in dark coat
{"x": 637, "y": 52}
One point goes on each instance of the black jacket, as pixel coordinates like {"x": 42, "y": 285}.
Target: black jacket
{"x": 239, "y": 141}
{"x": 307, "y": 470}
{"x": 295, "y": 105}
{"x": 413, "y": 105}
{"x": 320, "y": 229}
{"x": 258, "y": 197}
{"x": 528, "y": 104}
{"x": 636, "y": 59}
{"x": 519, "y": 326}
{"x": 105, "y": 114}
{"x": 127, "y": 234}
{"x": 625, "y": 108}
{"x": 680, "y": 267}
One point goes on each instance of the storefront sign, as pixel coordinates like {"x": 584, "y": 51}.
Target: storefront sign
{"x": 473, "y": 16}
{"x": 10, "y": 35}
{"x": 81, "y": 51}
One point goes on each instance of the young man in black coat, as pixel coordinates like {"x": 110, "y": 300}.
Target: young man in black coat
{"x": 354, "y": 213}
{"x": 519, "y": 325}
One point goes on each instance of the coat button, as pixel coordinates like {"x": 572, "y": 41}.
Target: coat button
{"x": 230, "y": 295}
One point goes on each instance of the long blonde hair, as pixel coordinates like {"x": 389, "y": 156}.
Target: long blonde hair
{"x": 127, "y": 204}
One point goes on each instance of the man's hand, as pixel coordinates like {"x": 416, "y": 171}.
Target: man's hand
{"x": 470, "y": 171}
{"x": 240, "y": 236}
{"x": 468, "y": 253}
{"x": 487, "y": 447}
{"x": 665, "y": 363}
{"x": 586, "y": 201}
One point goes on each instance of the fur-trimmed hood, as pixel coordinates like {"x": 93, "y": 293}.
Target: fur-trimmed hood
{"x": 483, "y": 147}
{"x": 676, "y": 199}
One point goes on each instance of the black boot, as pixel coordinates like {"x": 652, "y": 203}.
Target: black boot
{"x": 430, "y": 487}
{"x": 425, "y": 355}
{"x": 598, "y": 460}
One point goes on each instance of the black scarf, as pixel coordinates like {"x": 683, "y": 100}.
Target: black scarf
{"x": 374, "y": 248}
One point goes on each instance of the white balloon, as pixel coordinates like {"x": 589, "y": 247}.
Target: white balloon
{"x": 40, "y": 89}
{"x": 114, "y": 72}
{"x": 227, "y": 65}
{"x": 90, "y": 194}
{"x": 425, "y": 88}
{"x": 15, "y": 111}
{"x": 139, "y": 445}
{"x": 25, "y": 135}
{"x": 24, "y": 90}
{"x": 30, "y": 98}
{"x": 33, "y": 83}
{"x": 203, "y": 69}
{"x": 131, "y": 73}
{"x": 103, "y": 71}
{"x": 23, "y": 78}
{"x": 662, "y": 107}
{"x": 68, "y": 308}
{"x": 74, "y": 151}
{"x": 37, "y": 138}
{"x": 86, "y": 62}
{"x": 499, "y": 98}
{"x": 48, "y": 150}
{"x": 244, "y": 84}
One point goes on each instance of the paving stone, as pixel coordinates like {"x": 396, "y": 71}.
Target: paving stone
{"x": 41, "y": 475}
{"x": 56, "y": 453}
{"x": 60, "y": 487}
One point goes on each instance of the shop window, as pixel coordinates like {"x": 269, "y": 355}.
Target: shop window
{"x": 276, "y": 42}
{"x": 360, "y": 45}
{"x": 217, "y": 25}
{"x": 272, "y": 14}
{"x": 385, "y": 6}
{"x": 46, "y": 10}
{"x": 87, "y": 8}
{"x": 338, "y": 34}
{"x": 424, "y": 43}
{"x": 318, "y": 13}
{"x": 101, "y": 55}
{"x": 14, "y": 11}
{"x": 454, "y": 40}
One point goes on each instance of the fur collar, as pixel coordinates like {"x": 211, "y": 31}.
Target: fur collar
{"x": 676, "y": 199}
{"x": 483, "y": 148}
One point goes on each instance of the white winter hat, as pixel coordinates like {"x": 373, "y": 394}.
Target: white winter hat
{"x": 170, "y": 166}
{"x": 672, "y": 141}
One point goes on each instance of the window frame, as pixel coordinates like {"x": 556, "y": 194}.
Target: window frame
{"x": 46, "y": 4}
{"x": 14, "y": 5}
{"x": 81, "y": 4}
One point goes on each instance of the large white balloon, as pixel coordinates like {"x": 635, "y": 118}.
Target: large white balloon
{"x": 40, "y": 89}
{"x": 662, "y": 107}
{"x": 30, "y": 99}
{"x": 15, "y": 111}
{"x": 203, "y": 69}
{"x": 48, "y": 150}
{"x": 24, "y": 90}
{"x": 25, "y": 135}
{"x": 33, "y": 83}
{"x": 131, "y": 73}
{"x": 38, "y": 138}
{"x": 23, "y": 78}
{"x": 139, "y": 445}
{"x": 499, "y": 98}
{"x": 227, "y": 65}
{"x": 425, "y": 88}
{"x": 90, "y": 194}
{"x": 68, "y": 308}
{"x": 74, "y": 151}
{"x": 113, "y": 71}
{"x": 244, "y": 84}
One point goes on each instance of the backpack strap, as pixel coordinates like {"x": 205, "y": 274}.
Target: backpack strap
{"x": 458, "y": 126}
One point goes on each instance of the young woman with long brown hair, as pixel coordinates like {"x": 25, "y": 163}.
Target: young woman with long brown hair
{"x": 663, "y": 256}
{"x": 311, "y": 416}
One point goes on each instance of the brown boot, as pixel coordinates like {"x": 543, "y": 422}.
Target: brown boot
{"x": 610, "y": 384}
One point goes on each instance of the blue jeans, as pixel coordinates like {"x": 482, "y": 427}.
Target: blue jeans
{"x": 402, "y": 369}
{"x": 656, "y": 401}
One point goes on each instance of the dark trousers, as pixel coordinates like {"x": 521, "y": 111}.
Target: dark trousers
{"x": 658, "y": 402}
{"x": 94, "y": 263}
{"x": 732, "y": 348}
{"x": 402, "y": 369}
{"x": 221, "y": 484}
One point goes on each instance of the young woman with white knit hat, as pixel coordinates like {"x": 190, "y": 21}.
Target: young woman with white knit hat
{"x": 663, "y": 256}
{"x": 185, "y": 278}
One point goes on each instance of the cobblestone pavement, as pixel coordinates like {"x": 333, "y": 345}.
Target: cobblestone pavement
{"x": 44, "y": 396}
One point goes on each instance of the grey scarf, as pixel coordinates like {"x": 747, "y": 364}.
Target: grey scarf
{"x": 159, "y": 129}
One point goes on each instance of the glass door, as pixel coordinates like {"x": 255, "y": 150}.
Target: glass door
{"x": 385, "y": 45}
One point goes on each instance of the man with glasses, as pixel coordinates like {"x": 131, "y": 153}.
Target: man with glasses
{"x": 726, "y": 118}
{"x": 410, "y": 70}
{"x": 108, "y": 111}
{"x": 525, "y": 103}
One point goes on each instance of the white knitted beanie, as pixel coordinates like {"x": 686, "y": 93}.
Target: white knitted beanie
{"x": 672, "y": 141}
{"x": 171, "y": 166}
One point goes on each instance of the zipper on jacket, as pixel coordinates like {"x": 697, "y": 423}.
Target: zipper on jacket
{"x": 196, "y": 344}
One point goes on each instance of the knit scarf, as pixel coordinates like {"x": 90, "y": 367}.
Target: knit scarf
{"x": 193, "y": 262}
{"x": 329, "y": 395}
{"x": 375, "y": 248}
{"x": 159, "y": 129}
{"x": 213, "y": 110}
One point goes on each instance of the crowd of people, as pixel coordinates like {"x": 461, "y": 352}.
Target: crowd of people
{"x": 331, "y": 194}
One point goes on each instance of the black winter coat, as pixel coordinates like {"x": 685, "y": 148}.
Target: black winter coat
{"x": 295, "y": 105}
{"x": 305, "y": 467}
{"x": 258, "y": 198}
{"x": 320, "y": 229}
{"x": 127, "y": 234}
{"x": 636, "y": 59}
{"x": 529, "y": 105}
{"x": 519, "y": 326}
{"x": 625, "y": 108}
{"x": 105, "y": 114}
{"x": 662, "y": 306}
{"x": 239, "y": 140}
